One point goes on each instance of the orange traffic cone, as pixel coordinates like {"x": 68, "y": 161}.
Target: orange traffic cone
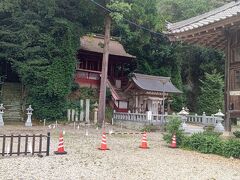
{"x": 144, "y": 141}
{"x": 174, "y": 142}
{"x": 104, "y": 142}
{"x": 60, "y": 146}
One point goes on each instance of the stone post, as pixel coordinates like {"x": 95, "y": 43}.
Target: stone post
{"x": 76, "y": 115}
{"x": 1, "y": 115}
{"x": 28, "y": 123}
{"x": 69, "y": 114}
{"x": 95, "y": 113}
{"x": 149, "y": 115}
{"x": 87, "y": 111}
{"x": 81, "y": 110}
{"x": 73, "y": 115}
{"x": 219, "y": 127}
{"x": 204, "y": 119}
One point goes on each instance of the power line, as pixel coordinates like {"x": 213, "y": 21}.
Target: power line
{"x": 130, "y": 22}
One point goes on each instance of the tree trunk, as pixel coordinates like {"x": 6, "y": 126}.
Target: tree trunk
{"x": 102, "y": 96}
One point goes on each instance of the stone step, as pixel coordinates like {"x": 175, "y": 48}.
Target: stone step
{"x": 12, "y": 119}
{"x": 12, "y": 114}
{"x": 11, "y": 99}
{"x": 8, "y": 122}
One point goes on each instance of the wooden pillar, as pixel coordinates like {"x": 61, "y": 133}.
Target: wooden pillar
{"x": 136, "y": 103}
{"x": 227, "y": 122}
{"x": 102, "y": 96}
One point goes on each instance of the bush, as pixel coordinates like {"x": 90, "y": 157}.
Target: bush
{"x": 236, "y": 134}
{"x": 231, "y": 148}
{"x": 173, "y": 127}
{"x": 204, "y": 143}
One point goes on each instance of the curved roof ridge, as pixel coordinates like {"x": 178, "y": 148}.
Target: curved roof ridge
{"x": 138, "y": 75}
{"x": 180, "y": 24}
{"x": 154, "y": 83}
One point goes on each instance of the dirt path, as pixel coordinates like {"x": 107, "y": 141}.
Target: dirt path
{"x": 124, "y": 161}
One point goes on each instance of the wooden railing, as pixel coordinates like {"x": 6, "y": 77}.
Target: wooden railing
{"x": 25, "y": 144}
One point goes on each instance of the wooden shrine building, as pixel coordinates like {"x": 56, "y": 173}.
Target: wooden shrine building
{"x": 150, "y": 93}
{"x": 137, "y": 94}
{"x": 219, "y": 29}
{"x": 89, "y": 66}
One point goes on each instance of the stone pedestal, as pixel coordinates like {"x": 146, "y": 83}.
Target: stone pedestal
{"x": 219, "y": 118}
{"x": 1, "y": 119}
{"x": 183, "y": 113}
{"x": 95, "y": 115}
{"x": 149, "y": 115}
{"x": 1, "y": 115}
{"x": 28, "y": 123}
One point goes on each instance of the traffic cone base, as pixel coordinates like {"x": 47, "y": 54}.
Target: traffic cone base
{"x": 173, "y": 146}
{"x": 59, "y": 153}
{"x": 143, "y": 147}
{"x": 103, "y": 149}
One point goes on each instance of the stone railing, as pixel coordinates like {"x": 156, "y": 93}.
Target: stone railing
{"x": 138, "y": 117}
{"x": 202, "y": 119}
{"x": 145, "y": 118}
{"x": 161, "y": 119}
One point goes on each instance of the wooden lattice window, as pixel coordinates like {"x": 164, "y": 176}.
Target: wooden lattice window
{"x": 236, "y": 54}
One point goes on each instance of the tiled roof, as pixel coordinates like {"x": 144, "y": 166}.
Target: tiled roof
{"x": 96, "y": 43}
{"x": 225, "y": 12}
{"x": 154, "y": 83}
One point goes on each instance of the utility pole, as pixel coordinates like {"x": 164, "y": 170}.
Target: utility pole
{"x": 103, "y": 85}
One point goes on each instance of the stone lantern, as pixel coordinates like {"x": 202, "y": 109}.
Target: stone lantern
{"x": 28, "y": 123}
{"x": 1, "y": 115}
{"x": 183, "y": 113}
{"x": 219, "y": 117}
{"x": 95, "y": 112}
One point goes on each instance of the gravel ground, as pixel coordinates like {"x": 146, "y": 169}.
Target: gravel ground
{"x": 123, "y": 161}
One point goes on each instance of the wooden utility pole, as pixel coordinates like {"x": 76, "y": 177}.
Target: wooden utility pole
{"x": 103, "y": 85}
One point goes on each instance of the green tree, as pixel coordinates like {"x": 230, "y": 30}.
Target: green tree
{"x": 211, "y": 95}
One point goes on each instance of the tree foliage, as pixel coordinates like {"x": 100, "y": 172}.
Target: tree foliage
{"x": 40, "y": 39}
{"x": 211, "y": 93}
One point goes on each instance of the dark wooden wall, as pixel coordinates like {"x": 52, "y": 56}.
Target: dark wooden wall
{"x": 234, "y": 73}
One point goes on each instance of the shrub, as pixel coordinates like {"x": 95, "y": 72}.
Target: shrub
{"x": 231, "y": 148}
{"x": 173, "y": 127}
{"x": 204, "y": 142}
{"x": 236, "y": 134}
